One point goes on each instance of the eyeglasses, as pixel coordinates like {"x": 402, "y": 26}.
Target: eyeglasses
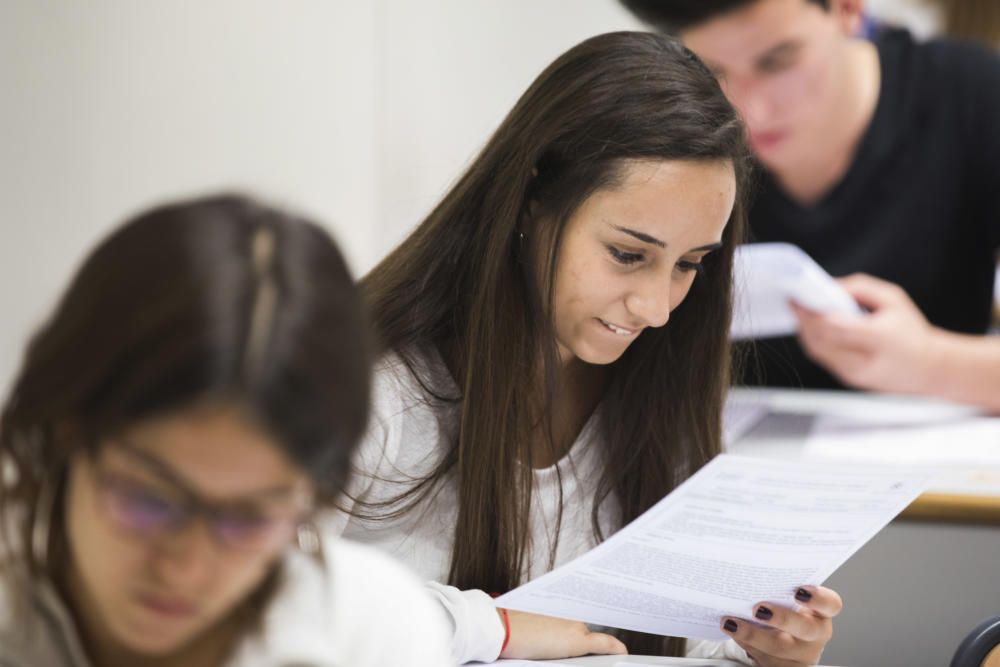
{"x": 144, "y": 511}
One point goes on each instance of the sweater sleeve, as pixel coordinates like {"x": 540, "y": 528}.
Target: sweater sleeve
{"x": 477, "y": 631}
{"x": 420, "y": 632}
{"x": 727, "y": 650}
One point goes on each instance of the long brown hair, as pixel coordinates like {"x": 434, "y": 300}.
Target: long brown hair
{"x": 220, "y": 298}
{"x": 460, "y": 283}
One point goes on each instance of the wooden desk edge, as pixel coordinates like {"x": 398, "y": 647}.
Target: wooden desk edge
{"x": 954, "y": 509}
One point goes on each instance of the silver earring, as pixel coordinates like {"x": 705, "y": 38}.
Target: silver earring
{"x": 307, "y": 539}
{"x": 41, "y": 526}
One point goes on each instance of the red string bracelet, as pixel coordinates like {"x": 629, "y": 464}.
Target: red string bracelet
{"x": 506, "y": 629}
{"x": 506, "y": 624}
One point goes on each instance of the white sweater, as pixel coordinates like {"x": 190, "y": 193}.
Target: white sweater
{"x": 407, "y": 437}
{"x": 333, "y": 616}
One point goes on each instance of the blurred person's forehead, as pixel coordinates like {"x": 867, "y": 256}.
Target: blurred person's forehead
{"x": 748, "y": 35}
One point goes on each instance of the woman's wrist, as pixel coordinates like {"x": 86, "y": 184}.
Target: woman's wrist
{"x": 505, "y": 620}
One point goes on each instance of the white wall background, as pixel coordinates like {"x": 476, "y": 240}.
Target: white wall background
{"x": 109, "y": 106}
{"x": 357, "y": 113}
{"x": 923, "y": 17}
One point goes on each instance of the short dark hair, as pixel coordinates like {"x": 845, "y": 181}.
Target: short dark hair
{"x": 672, "y": 16}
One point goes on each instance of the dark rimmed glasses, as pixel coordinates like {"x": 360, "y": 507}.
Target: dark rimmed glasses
{"x": 142, "y": 510}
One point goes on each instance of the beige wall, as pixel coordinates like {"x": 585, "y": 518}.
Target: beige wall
{"x": 923, "y": 17}
{"x": 359, "y": 113}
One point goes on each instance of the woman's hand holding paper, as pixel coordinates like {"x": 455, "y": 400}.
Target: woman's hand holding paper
{"x": 783, "y": 637}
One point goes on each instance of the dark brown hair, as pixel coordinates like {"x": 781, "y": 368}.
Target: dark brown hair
{"x": 215, "y": 299}
{"x": 460, "y": 283}
{"x": 673, "y": 16}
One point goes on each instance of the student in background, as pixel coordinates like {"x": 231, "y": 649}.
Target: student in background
{"x": 881, "y": 158}
{"x": 191, "y": 403}
{"x": 532, "y": 396}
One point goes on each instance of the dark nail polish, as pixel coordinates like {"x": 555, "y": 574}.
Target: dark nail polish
{"x": 802, "y": 595}
{"x": 764, "y": 614}
{"x": 730, "y": 626}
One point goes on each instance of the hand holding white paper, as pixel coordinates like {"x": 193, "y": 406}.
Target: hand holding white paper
{"x": 769, "y": 275}
{"x": 738, "y": 532}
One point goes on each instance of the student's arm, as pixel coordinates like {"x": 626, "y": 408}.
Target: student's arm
{"x": 477, "y": 633}
{"x": 477, "y": 630}
{"x": 894, "y": 348}
{"x": 536, "y": 637}
{"x": 712, "y": 650}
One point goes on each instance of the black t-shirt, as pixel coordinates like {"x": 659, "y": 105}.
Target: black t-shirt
{"x": 920, "y": 204}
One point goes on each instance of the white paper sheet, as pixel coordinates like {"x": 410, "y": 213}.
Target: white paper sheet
{"x": 974, "y": 440}
{"x": 738, "y": 532}
{"x": 769, "y": 275}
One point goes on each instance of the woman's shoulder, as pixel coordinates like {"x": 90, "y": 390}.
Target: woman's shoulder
{"x": 355, "y": 607}
{"x": 390, "y": 580}
{"x": 32, "y": 630}
{"x": 413, "y": 394}
{"x": 386, "y": 601}
{"x": 415, "y": 373}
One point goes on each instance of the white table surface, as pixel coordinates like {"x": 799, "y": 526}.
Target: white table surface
{"x": 612, "y": 660}
{"x": 783, "y": 433}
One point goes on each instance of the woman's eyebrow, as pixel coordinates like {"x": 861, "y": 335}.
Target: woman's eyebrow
{"x": 710, "y": 247}
{"x": 166, "y": 472}
{"x": 153, "y": 464}
{"x": 642, "y": 236}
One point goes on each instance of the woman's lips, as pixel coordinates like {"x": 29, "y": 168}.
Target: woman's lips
{"x": 167, "y": 607}
{"x": 616, "y": 329}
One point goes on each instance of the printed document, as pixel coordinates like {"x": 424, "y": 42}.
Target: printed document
{"x": 767, "y": 276}
{"x": 738, "y": 532}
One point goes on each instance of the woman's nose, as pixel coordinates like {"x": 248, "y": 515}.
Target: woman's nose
{"x": 652, "y": 306}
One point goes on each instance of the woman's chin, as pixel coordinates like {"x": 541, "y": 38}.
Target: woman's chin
{"x": 599, "y": 355}
{"x": 153, "y": 640}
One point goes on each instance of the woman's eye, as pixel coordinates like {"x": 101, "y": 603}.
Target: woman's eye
{"x": 686, "y": 267}
{"x": 139, "y": 508}
{"x": 623, "y": 257}
{"x": 778, "y": 64}
{"x": 243, "y": 523}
